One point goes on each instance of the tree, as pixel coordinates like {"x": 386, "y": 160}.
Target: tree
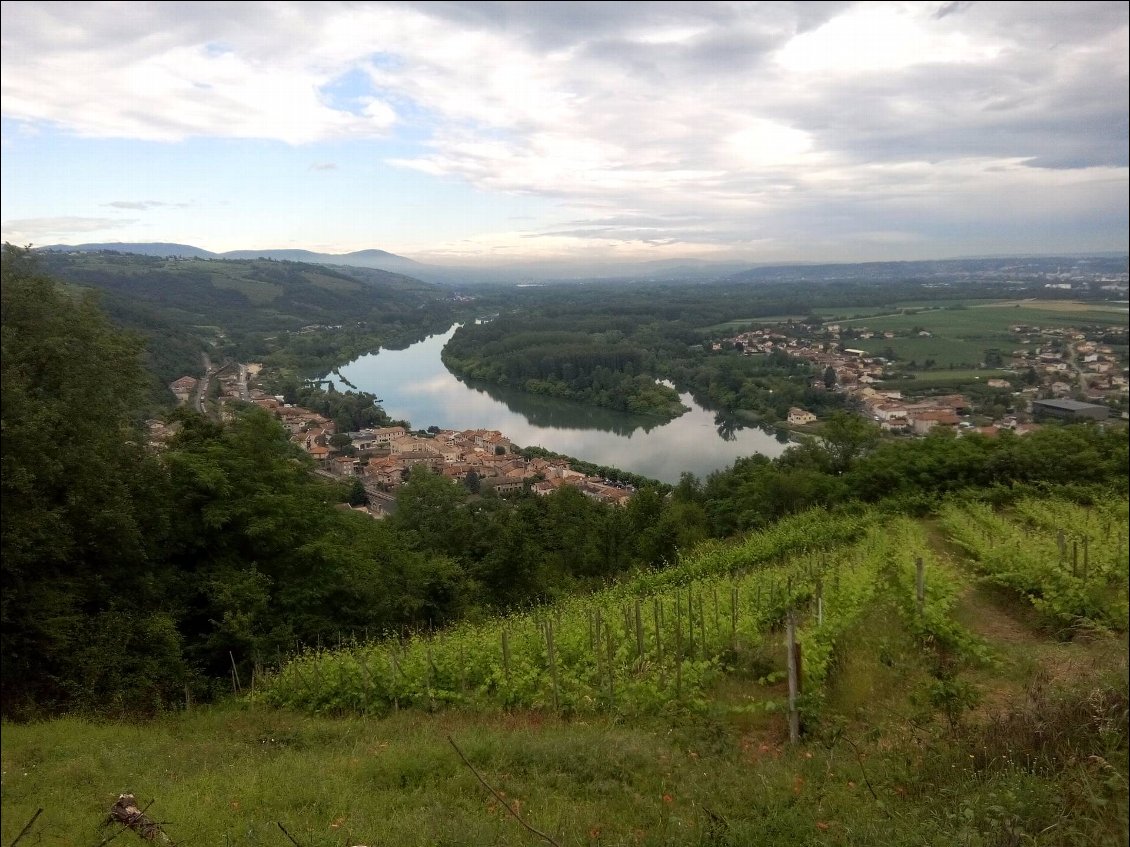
{"x": 846, "y": 437}
{"x": 428, "y": 510}
{"x": 472, "y": 481}
{"x": 83, "y": 515}
{"x": 829, "y": 377}
{"x": 357, "y": 495}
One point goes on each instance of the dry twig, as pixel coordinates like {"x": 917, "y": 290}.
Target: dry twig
{"x": 499, "y": 797}
{"x": 287, "y": 834}
{"x": 27, "y": 827}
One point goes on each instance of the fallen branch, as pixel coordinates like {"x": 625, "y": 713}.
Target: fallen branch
{"x": 126, "y": 812}
{"x": 287, "y": 834}
{"x": 862, "y": 769}
{"x": 499, "y": 797}
{"x": 27, "y": 827}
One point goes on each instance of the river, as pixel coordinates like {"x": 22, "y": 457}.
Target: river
{"x": 413, "y": 384}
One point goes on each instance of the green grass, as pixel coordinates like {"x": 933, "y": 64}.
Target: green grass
{"x": 948, "y": 352}
{"x": 948, "y": 378}
{"x": 991, "y": 318}
{"x": 227, "y": 775}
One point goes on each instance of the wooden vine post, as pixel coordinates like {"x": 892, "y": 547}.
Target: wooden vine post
{"x": 794, "y": 676}
{"x": 552, "y": 653}
{"x": 639, "y": 632}
{"x": 506, "y": 654}
{"x": 819, "y": 601}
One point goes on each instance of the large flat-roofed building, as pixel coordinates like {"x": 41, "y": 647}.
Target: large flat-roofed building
{"x": 1069, "y": 410}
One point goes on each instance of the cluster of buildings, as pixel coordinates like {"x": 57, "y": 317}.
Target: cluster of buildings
{"x": 851, "y": 367}
{"x": 1068, "y": 363}
{"x": 382, "y": 458}
{"x": 1054, "y": 369}
{"x": 484, "y": 460}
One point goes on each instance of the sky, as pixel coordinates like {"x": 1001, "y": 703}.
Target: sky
{"x": 486, "y": 133}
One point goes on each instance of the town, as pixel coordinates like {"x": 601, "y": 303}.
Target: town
{"x": 1043, "y": 378}
{"x": 381, "y": 459}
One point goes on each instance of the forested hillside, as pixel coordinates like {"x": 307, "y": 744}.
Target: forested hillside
{"x": 299, "y": 316}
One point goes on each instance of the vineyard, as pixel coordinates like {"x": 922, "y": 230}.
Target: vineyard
{"x": 953, "y": 679}
{"x": 658, "y": 642}
{"x": 1067, "y": 560}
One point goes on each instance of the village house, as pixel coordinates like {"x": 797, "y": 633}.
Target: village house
{"x": 182, "y": 388}
{"x": 923, "y": 422}
{"x": 384, "y": 435}
{"x": 345, "y": 466}
{"x": 503, "y": 485}
{"x": 800, "y": 417}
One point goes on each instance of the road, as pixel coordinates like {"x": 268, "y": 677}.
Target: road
{"x": 204, "y": 384}
{"x": 244, "y": 394}
{"x": 1073, "y": 363}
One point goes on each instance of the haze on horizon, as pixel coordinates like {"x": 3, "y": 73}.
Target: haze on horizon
{"x": 486, "y": 133}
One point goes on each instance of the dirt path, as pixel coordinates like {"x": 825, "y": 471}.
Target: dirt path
{"x": 1023, "y": 655}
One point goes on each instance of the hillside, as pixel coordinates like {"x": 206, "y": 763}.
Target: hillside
{"x": 372, "y": 258}
{"x": 207, "y": 624}
{"x": 247, "y": 307}
{"x": 961, "y": 719}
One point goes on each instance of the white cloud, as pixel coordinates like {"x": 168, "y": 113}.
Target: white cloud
{"x": 884, "y": 37}
{"x": 753, "y": 120}
{"x": 36, "y": 230}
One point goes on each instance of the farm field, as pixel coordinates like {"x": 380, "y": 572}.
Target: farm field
{"x": 960, "y": 331}
{"x": 959, "y": 337}
{"x": 987, "y": 707}
{"x": 1052, "y": 310}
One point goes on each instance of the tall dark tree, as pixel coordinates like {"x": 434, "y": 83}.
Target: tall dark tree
{"x": 83, "y": 521}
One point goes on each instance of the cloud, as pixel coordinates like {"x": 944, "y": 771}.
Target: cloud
{"x": 35, "y": 230}
{"x": 324, "y": 166}
{"x": 143, "y": 205}
{"x": 161, "y": 72}
{"x": 756, "y": 123}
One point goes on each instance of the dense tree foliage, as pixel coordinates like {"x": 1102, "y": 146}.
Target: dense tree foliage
{"x": 82, "y": 522}
{"x": 295, "y": 316}
{"x": 603, "y": 368}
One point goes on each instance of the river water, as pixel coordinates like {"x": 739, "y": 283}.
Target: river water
{"x": 413, "y": 384}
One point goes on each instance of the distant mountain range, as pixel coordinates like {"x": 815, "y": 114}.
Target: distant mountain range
{"x": 380, "y": 259}
{"x": 664, "y": 270}
{"x": 540, "y": 271}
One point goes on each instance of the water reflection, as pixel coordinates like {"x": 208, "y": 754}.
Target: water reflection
{"x": 554, "y": 413}
{"x": 416, "y": 386}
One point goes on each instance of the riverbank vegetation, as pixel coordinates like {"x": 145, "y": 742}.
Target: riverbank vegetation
{"x": 605, "y": 344}
{"x": 538, "y": 356}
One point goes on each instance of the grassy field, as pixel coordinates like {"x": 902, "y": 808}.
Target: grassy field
{"x": 1027, "y": 747}
{"x": 964, "y": 375}
{"x": 993, "y": 318}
